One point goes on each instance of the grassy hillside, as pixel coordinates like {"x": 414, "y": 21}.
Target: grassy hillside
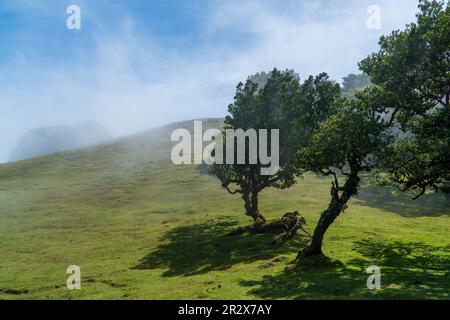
{"x": 142, "y": 228}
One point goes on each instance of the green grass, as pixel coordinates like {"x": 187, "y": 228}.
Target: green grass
{"x": 142, "y": 228}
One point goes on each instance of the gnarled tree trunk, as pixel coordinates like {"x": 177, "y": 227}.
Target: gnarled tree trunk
{"x": 337, "y": 204}
{"x": 251, "y": 207}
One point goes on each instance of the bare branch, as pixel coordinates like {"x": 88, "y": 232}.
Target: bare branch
{"x": 233, "y": 192}
{"x": 421, "y": 193}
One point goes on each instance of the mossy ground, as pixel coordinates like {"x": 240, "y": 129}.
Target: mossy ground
{"x": 142, "y": 228}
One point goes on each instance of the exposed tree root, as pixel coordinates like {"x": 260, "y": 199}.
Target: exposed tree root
{"x": 288, "y": 226}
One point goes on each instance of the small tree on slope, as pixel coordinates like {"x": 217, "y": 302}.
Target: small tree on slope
{"x": 296, "y": 110}
{"x": 345, "y": 145}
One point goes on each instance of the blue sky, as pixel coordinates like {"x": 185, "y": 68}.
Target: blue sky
{"x": 138, "y": 64}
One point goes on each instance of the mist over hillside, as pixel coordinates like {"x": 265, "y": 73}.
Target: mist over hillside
{"x": 47, "y": 140}
{"x": 129, "y": 217}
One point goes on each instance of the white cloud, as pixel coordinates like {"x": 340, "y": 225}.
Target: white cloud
{"x": 131, "y": 82}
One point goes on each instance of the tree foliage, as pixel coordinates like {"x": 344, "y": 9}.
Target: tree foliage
{"x": 285, "y": 104}
{"x": 399, "y": 123}
{"x": 353, "y": 82}
{"x": 345, "y": 145}
{"x": 412, "y": 73}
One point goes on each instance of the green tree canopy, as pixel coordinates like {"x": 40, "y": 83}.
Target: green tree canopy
{"x": 354, "y": 82}
{"x": 284, "y": 104}
{"x": 412, "y": 73}
{"x": 345, "y": 145}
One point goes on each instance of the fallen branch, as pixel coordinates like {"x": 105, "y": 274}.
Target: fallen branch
{"x": 293, "y": 221}
{"x": 288, "y": 226}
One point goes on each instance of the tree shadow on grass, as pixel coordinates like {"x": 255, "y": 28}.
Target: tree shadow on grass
{"x": 408, "y": 271}
{"x": 201, "y": 248}
{"x": 391, "y": 199}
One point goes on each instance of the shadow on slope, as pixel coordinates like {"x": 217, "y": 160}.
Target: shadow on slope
{"x": 201, "y": 248}
{"x": 408, "y": 271}
{"x": 393, "y": 200}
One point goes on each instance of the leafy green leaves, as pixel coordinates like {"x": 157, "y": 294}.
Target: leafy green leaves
{"x": 412, "y": 73}
{"x": 277, "y": 100}
{"x": 351, "y": 134}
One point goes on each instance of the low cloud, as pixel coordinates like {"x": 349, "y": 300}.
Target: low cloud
{"x": 129, "y": 79}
